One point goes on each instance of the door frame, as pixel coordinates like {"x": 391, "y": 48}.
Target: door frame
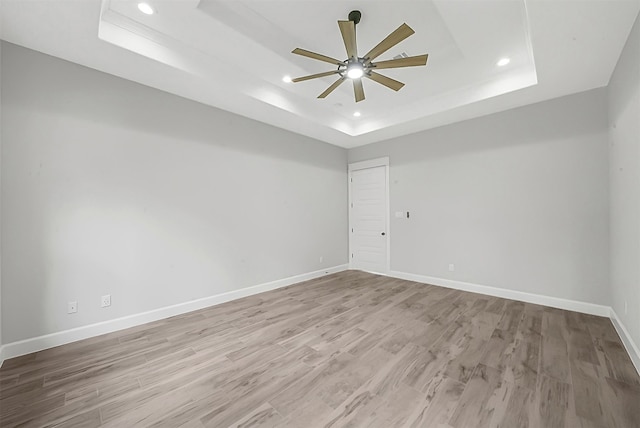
{"x": 356, "y": 166}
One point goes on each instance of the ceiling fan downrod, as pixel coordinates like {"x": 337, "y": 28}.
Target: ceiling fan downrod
{"x": 355, "y": 16}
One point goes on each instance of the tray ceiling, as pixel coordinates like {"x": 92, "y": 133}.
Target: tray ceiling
{"x": 234, "y": 55}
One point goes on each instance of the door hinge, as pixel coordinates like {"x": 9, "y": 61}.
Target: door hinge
{"x": 352, "y": 230}
{"x": 351, "y": 255}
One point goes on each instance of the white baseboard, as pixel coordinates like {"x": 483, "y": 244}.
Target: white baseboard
{"x": 554, "y": 302}
{"x": 627, "y": 341}
{"x": 27, "y": 346}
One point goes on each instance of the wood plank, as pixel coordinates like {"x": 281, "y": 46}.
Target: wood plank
{"x": 472, "y": 409}
{"x": 555, "y": 358}
{"x": 521, "y": 362}
{"x": 264, "y": 416}
{"x": 554, "y": 404}
{"x": 517, "y": 412}
{"x": 612, "y": 356}
{"x": 587, "y": 392}
{"x": 443, "y": 396}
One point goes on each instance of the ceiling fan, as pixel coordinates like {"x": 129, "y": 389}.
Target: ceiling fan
{"x": 355, "y": 67}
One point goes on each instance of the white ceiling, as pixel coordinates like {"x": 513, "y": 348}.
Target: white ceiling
{"x": 233, "y": 54}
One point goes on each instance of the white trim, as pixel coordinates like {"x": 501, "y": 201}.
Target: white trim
{"x": 27, "y": 346}
{"x": 372, "y": 163}
{"x": 388, "y": 208}
{"x": 350, "y": 221}
{"x": 554, "y": 302}
{"x": 627, "y": 341}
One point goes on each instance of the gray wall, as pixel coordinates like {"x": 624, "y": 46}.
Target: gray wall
{"x": 516, "y": 200}
{"x": 113, "y": 187}
{"x": 624, "y": 155}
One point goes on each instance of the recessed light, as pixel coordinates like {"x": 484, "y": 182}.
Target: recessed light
{"x": 503, "y": 62}
{"x": 356, "y": 114}
{"x": 145, "y": 8}
{"x": 286, "y": 79}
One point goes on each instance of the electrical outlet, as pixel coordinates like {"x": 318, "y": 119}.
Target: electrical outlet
{"x": 106, "y": 300}
{"x": 321, "y": 259}
{"x": 451, "y": 267}
{"x": 72, "y": 307}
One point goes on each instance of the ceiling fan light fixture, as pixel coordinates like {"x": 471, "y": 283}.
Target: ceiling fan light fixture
{"x": 503, "y": 62}
{"x": 356, "y": 114}
{"x": 287, "y": 79}
{"x": 355, "y": 71}
{"x": 145, "y": 8}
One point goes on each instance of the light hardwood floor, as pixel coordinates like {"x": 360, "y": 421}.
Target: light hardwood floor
{"x": 350, "y": 349}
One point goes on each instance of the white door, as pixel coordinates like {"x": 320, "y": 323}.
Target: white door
{"x": 368, "y": 218}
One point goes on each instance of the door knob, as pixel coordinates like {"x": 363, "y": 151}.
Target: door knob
{"x": 383, "y": 234}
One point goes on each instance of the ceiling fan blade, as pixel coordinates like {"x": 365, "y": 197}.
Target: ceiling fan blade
{"x": 386, "y": 81}
{"x": 411, "y": 61}
{"x": 314, "y": 76}
{"x": 332, "y": 87}
{"x": 400, "y": 33}
{"x": 317, "y": 56}
{"x": 358, "y": 90}
{"x": 348, "y": 30}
